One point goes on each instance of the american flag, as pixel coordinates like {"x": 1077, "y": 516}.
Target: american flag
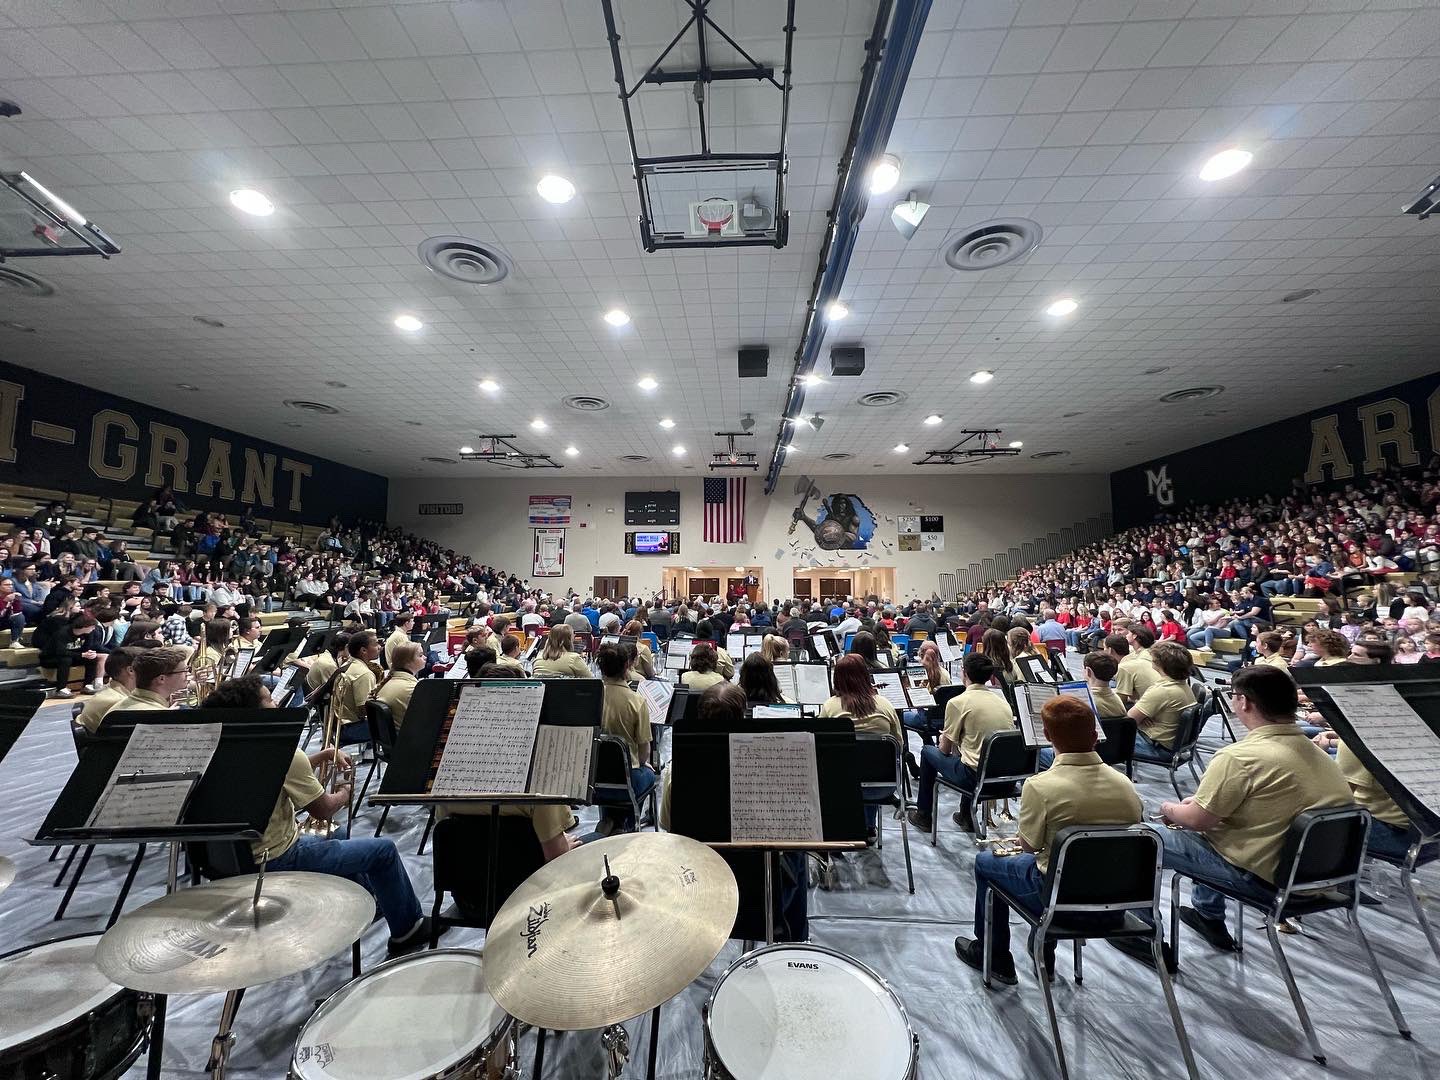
{"x": 724, "y": 510}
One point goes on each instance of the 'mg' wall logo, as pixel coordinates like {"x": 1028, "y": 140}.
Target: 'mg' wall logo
{"x": 1159, "y": 484}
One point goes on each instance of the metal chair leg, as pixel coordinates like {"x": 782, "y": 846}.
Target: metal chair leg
{"x": 374, "y": 764}
{"x": 1284, "y": 965}
{"x": 987, "y": 946}
{"x": 55, "y": 853}
{"x": 385, "y": 813}
{"x": 1175, "y": 918}
{"x": 1407, "y": 882}
{"x": 1174, "y": 1007}
{"x": 1078, "y": 945}
{"x": 935, "y": 815}
{"x": 425, "y": 839}
{"x": 1175, "y": 783}
{"x": 1037, "y": 957}
{"x": 905, "y": 843}
{"x": 125, "y": 888}
{"x": 66, "y": 868}
{"x": 74, "y": 881}
{"x": 1379, "y": 975}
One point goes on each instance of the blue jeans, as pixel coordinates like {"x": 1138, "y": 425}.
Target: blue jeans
{"x": 1390, "y": 840}
{"x": 1191, "y": 854}
{"x": 1281, "y": 587}
{"x": 872, "y": 809}
{"x": 17, "y": 627}
{"x": 1020, "y": 877}
{"x": 642, "y": 779}
{"x": 1044, "y": 758}
{"x": 369, "y": 862}
{"x": 1203, "y": 636}
{"x": 1148, "y": 747}
{"x": 920, "y": 722}
{"x": 932, "y": 762}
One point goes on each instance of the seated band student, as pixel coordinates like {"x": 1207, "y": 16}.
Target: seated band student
{"x": 626, "y": 716}
{"x": 477, "y": 660}
{"x": 714, "y": 630}
{"x": 210, "y": 653}
{"x": 324, "y": 663}
{"x": 644, "y": 663}
{"x": 1157, "y": 712}
{"x": 723, "y": 706}
{"x": 1391, "y": 831}
{"x": 863, "y": 645}
{"x": 775, "y": 648}
{"x": 701, "y": 674}
{"x": 396, "y": 688}
{"x": 399, "y": 635}
{"x": 119, "y": 682}
{"x": 160, "y": 674}
{"x": 927, "y": 722}
{"x": 558, "y": 657}
{"x": 969, "y": 717}
{"x": 1100, "y": 668}
{"x": 856, "y": 697}
{"x": 1268, "y": 649}
{"x": 354, "y": 685}
{"x": 1135, "y": 658}
{"x": 757, "y": 680}
{"x": 509, "y": 657}
{"x": 1234, "y": 827}
{"x": 1079, "y": 789}
{"x": 371, "y": 862}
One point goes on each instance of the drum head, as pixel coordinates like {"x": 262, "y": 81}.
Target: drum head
{"x": 407, "y": 1020}
{"x": 48, "y": 986}
{"x": 807, "y": 1014}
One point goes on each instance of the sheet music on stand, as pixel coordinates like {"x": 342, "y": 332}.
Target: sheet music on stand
{"x": 778, "y": 711}
{"x": 657, "y": 694}
{"x": 243, "y": 657}
{"x": 562, "y": 761}
{"x": 1395, "y": 734}
{"x": 949, "y": 653}
{"x": 1030, "y": 698}
{"x": 491, "y": 739}
{"x": 1035, "y": 670}
{"x": 735, "y": 644}
{"x": 459, "y": 669}
{"x": 920, "y": 694}
{"x": 812, "y": 684}
{"x": 144, "y": 801}
{"x": 164, "y": 749}
{"x": 774, "y": 787}
{"x": 891, "y": 688}
{"x": 282, "y": 685}
{"x": 821, "y": 644}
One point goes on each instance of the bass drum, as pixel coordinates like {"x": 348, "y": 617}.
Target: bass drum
{"x": 803, "y": 1012}
{"x": 421, "y": 1017}
{"x": 60, "y": 1017}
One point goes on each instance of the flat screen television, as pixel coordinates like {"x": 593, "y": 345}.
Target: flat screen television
{"x": 652, "y": 543}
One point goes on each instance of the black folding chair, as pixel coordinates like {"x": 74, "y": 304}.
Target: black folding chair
{"x": 1005, "y": 762}
{"x": 882, "y": 779}
{"x": 1184, "y": 751}
{"x": 1101, "y": 879}
{"x": 1118, "y": 746}
{"x": 612, "y": 784}
{"x": 1319, "y": 871}
{"x": 381, "y": 721}
{"x": 461, "y": 858}
{"x": 1424, "y": 850}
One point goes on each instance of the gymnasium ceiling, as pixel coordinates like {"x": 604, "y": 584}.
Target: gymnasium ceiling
{"x": 373, "y": 126}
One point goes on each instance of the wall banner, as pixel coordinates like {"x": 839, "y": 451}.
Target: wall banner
{"x": 549, "y": 554}
{"x": 550, "y": 510}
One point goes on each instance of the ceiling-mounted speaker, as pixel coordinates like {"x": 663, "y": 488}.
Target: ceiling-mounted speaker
{"x": 755, "y": 362}
{"x": 847, "y": 360}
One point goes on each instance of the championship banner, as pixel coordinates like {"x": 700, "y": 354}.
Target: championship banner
{"x": 549, "y": 554}
{"x": 549, "y": 510}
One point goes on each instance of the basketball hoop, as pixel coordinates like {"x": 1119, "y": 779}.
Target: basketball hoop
{"x": 715, "y": 214}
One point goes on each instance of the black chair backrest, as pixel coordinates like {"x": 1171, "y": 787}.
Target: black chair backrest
{"x": 76, "y": 709}
{"x": 1116, "y": 865}
{"x": 216, "y": 859}
{"x": 612, "y": 761}
{"x": 460, "y": 855}
{"x": 945, "y": 693}
{"x": 875, "y": 759}
{"x": 1187, "y": 733}
{"x": 381, "y": 720}
{"x": 1004, "y": 753}
{"x": 1118, "y": 746}
{"x": 1323, "y": 845}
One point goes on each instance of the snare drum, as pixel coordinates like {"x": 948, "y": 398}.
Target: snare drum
{"x": 60, "y": 1017}
{"x": 421, "y": 1017}
{"x": 802, "y": 1012}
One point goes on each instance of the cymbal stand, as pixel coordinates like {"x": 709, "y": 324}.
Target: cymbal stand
{"x": 224, "y": 1040}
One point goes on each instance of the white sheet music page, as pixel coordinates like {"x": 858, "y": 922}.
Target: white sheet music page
{"x": 774, "y": 786}
{"x": 822, "y": 645}
{"x": 165, "y": 748}
{"x": 657, "y": 695}
{"x": 148, "y": 804}
{"x": 562, "y": 761}
{"x": 812, "y": 684}
{"x": 920, "y": 695}
{"x": 948, "y": 653}
{"x": 491, "y": 739}
{"x": 785, "y": 677}
{"x": 888, "y": 683}
{"x": 735, "y": 644}
{"x": 1393, "y": 731}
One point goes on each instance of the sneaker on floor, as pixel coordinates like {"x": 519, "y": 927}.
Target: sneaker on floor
{"x": 63, "y": 691}
{"x": 1002, "y": 965}
{"x": 872, "y": 837}
{"x": 1212, "y": 930}
{"x": 919, "y": 820}
{"x": 605, "y": 826}
{"x": 417, "y": 938}
{"x": 1139, "y": 949}
{"x": 963, "y": 820}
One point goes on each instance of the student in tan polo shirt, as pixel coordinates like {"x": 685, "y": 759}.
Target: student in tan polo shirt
{"x": 1234, "y": 826}
{"x": 626, "y": 716}
{"x": 1079, "y": 789}
{"x": 1391, "y": 832}
{"x": 968, "y": 719}
{"x": 1135, "y": 672}
{"x": 323, "y": 665}
{"x": 557, "y": 657}
{"x": 1267, "y": 649}
{"x": 395, "y": 689}
{"x": 400, "y": 635}
{"x": 354, "y": 685}
{"x": 1157, "y": 713}
{"x": 702, "y": 674}
{"x": 1100, "y": 668}
{"x": 120, "y": 682}
{"x": 160, "y": 674}
{"x": 509, "y": 657}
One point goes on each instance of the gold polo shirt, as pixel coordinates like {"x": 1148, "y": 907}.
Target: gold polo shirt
{"x": 96, "y": 708}
{"x": 970, "y": 716}
{"x": 1136, "y": 674}
{"x": 1162, "y": 705}
{"x": 1078, "y": 789}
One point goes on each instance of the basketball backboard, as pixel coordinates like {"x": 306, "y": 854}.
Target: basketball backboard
{"x": 35, "y": 222}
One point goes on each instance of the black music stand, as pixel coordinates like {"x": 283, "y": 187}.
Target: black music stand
{"x": 233, "y": 800}
{"x": 17, "y": 709}
{"x": 700, "y": 806}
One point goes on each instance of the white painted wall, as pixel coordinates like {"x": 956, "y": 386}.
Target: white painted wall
{"x": 983, "y": 515}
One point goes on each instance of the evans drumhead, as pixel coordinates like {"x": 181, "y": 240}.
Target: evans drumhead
{"x": 421, "y": 1017}
{"x": 802, "y": 1012}
{"x": 60, "y": 1017}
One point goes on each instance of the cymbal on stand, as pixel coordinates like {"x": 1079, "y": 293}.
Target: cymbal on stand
{"x": 609, "y": 931}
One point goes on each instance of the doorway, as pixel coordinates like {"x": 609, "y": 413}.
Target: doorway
{"x": 843, "y": 581}
{"x": 612, "y": 588}
{"x": 691, "y": 582}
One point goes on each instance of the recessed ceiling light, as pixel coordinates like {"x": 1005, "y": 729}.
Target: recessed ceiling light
{"x": 791, "y": 448}
{"x": 1016, "y": 445}
{"x": 572, "y": 451}
{"x": 616, "y": 317}
{"x": 678, "y": 450}
{"x": 811, "y": 380}
{"x": 467, "y": 449}
{"x": 667, "y": 423}
{"x": 489, "y": 386}
{"x": 982, "y": 376}
{"x": 408, "y": 323}
{"x": 1066, "y": 305}
{"x": 538, "y": 424}
{"x": 1225, "y": 163}
{"x": 901, "y": 448}
{"x": 884, "y": 174}
{"x": 835, "y": 311}
{"x": 555, "y": 189}
{"x": 647, "y": 383}
{"x": 933, "y": 419}
{"x": 252, "y": 202}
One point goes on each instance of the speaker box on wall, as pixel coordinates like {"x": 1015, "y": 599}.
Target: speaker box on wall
{"x": 847, "y": 360}
{"x": 754, "y": 362}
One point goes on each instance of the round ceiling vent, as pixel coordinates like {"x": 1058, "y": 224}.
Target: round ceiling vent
{"x": 10, "y": 278}
{"x": 1041, "y": 455}
{"x": 464, "y": 260}
{"x": 312, "y": 407}
{"x": 440, "y": 460}
{"x": 881, "y": 399}
{"x": 839, "y": 456}
{"x": 1191, "y": 393}
{"x": 993, "y": 243}
{"x": 208, "y": 320}
{"x": 633, "y": 457}
{"x": 19, "y": 328}
{"x": 586, "y": 403}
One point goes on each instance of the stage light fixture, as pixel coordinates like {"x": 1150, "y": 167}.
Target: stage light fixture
{"x": 908, "y": 214}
